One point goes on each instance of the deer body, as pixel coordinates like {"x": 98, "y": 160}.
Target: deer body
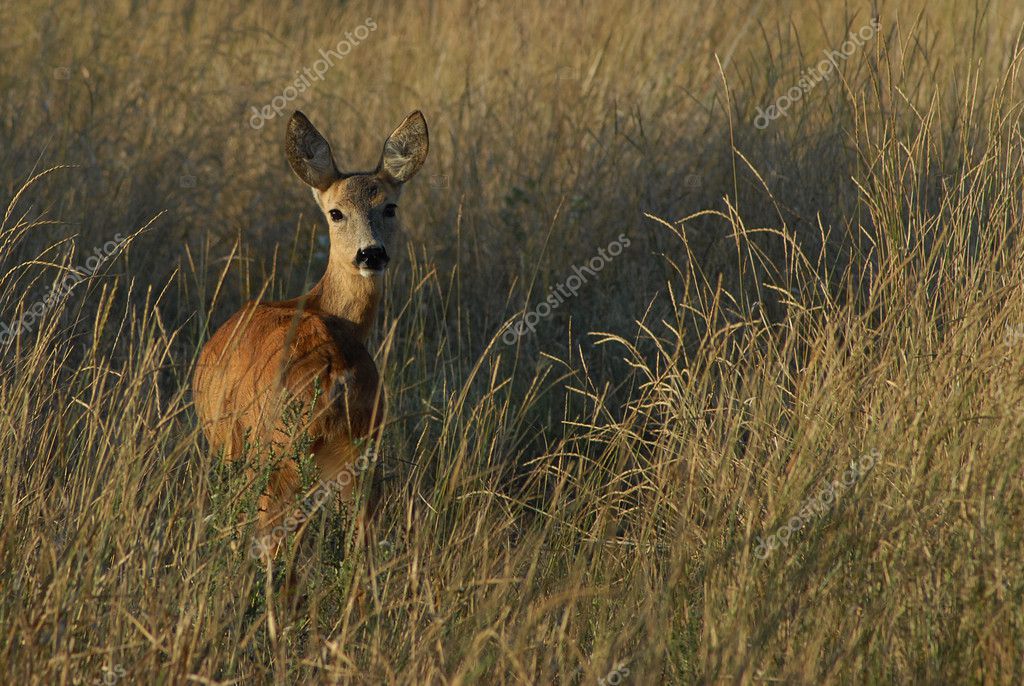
{"x": 311, "y": 351}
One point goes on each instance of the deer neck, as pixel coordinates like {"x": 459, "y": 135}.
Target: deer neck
{"x": 349, "y": 296}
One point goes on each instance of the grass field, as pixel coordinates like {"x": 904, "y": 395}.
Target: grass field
{"x": 776, "y": 437}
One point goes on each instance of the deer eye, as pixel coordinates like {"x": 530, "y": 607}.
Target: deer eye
{"x": 390, "y": 209}
{"x": 336, "y": 215}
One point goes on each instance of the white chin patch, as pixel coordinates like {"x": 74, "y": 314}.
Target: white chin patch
{"x": 370, "y": 272}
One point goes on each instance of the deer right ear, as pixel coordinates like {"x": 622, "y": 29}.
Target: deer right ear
{"x": 309, "y": 153}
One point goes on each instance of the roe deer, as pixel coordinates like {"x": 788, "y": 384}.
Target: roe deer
{"x": 312, "y": 349}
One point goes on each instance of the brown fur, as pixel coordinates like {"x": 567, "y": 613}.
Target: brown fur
{"x": 310, "y": 351}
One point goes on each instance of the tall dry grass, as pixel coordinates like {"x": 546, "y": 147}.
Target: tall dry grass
{"x": 591, "y": 502}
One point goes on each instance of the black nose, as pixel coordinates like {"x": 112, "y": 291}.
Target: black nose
{"x": 375, "y": 258}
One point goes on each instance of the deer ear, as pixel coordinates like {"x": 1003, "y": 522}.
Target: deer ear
{"x": 309, "y": 153}
{"x": 405, "y": 149}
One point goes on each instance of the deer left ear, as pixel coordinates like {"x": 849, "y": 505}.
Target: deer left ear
{"x": 405, "y": 149}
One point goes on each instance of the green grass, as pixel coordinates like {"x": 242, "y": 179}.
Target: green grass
{"x": 591, "y": 497}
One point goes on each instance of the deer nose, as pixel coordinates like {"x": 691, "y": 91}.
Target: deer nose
{"x": 374, "y": 258}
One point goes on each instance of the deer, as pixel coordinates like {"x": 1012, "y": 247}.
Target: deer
{"x": 311, "y": 351}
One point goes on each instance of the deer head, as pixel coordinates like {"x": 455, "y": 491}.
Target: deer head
{"x": 360, "y": 207}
